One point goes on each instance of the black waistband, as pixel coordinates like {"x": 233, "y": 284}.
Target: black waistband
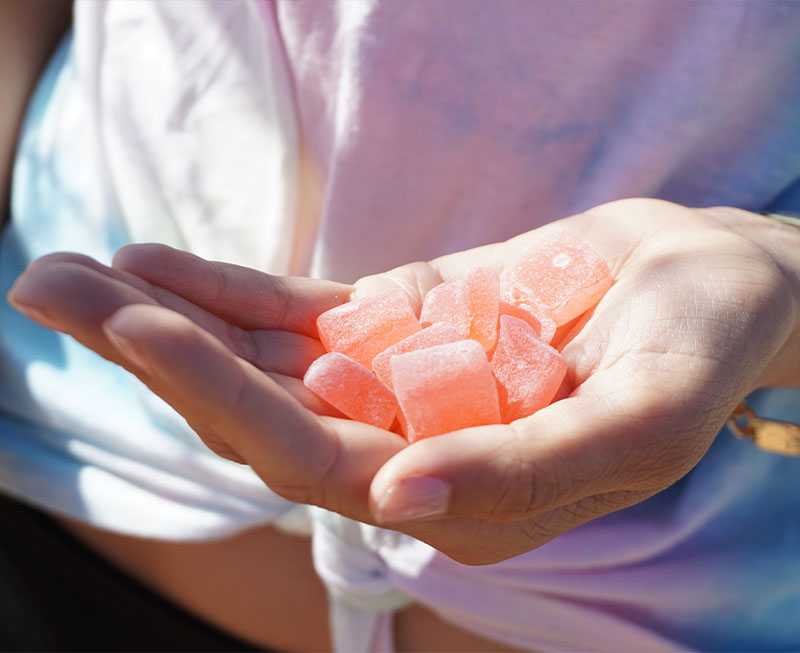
{"x": 57, "y": 595}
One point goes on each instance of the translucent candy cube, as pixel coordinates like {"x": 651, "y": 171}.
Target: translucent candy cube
{"x": 528, "y": 371}
{"x": 445, "y": 388}
{"x": 559, "y": 273}
{"x": 363, "y": 328}
{"x": 436, "y": 334}
{"x": 537, "y": 318}
{"x": 468, "y": 302}
{"x": 352, "y": 389}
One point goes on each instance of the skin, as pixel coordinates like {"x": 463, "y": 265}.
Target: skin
{"x": 703, "y": 310}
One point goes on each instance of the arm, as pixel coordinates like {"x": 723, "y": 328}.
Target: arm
{"x": 29, "y": 32}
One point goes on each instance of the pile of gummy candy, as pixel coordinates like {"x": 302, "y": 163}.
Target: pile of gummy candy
{"x": 479, "y": 353}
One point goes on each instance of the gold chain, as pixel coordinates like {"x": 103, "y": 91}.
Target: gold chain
{"x": 770, "y": 435}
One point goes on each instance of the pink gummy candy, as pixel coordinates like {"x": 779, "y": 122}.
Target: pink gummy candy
{"x": 528, "y": 371}
{"x": 362, "y": 328}
{"x": 445, "y": 388}
{"x": 436, "y": 334}
{"x": 537, "y": 318}
{"x": 352, "y": 389}
{"x": 559, "y": 273}
{"x": 468, "y": 302}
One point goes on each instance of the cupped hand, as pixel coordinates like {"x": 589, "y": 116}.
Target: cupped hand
{"x": 703, "y": 310}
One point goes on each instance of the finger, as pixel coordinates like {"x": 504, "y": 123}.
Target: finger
{"x": 66, "y": 285}
{"x": 92, "y": 264}
{"x": 241, "y": 296}
{"x": 306, "y": 458}
{"x": 414, "y": 279}
{"x": 75, "y": 293}
{"x": 583, "y": 446}
{"x": 74, "y": 298}
{"x": 476, "y": 542}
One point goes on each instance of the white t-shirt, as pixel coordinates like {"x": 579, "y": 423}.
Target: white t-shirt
{"x": 339, "y": 139}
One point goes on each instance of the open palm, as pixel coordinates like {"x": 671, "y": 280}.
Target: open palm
{"x": 679, "y": 339}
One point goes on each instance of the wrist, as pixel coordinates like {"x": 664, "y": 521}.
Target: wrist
{"x": 778, "y": 237}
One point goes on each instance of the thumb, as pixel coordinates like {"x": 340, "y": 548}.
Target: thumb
{"x": 414, "y": 279}
{"x": 575, "y": 448}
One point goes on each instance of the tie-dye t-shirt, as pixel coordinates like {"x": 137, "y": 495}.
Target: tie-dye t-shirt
{"x": 338, "y": 139}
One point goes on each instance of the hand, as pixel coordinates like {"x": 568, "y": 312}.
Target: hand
{"x": 703, "y": 311}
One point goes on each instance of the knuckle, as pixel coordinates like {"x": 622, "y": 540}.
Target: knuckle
{"x": 215, "y": 442}
{"x": 525, "y": 487}
{"x": 598, "y": 505}
{"x": 277, "y": 301}
{"x": 662, "y": 453}
{"x": 543, "y": 527}
{"x": 242, "y": 344}
{"x": 329, "y": 466}
{"x": 292, "y": 492}
{"x": 217, "y": 282}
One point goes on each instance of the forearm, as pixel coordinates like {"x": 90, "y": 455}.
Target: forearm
{"x": 29, "y": 31}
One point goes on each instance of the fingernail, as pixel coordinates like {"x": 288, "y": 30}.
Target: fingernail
{"x": 35, "y": 314}
{"x": 127, "y": 348}
{"x": 412, "y": 499}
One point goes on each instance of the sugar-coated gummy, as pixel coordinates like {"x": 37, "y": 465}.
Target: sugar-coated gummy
{"x": 362, "y": 328}
{"x": 445, "y": 388}
{"x": 439, "y": 333}
{"x": 352, "y": 389}
{"x": 559, "y": 273}
{"x": 528, "y": 371}
{"x": 468, "y": 302}
{"x": 441, "y": 375}
{"x": 535, "y": 316}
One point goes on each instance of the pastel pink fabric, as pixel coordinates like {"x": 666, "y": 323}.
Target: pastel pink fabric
{"x": 339, "y": 139}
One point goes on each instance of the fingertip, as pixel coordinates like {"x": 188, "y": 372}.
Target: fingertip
{"x": 45, "y": 280}
{"x": 34, "y": 313}
{"x": 128, "y": 330}
{"x": 431, "y": 478}
{"x": 152, "y": 337}
{"x": 127, "y": 349}
{"x": 137, "y": 258}
{"x": 414, "y": 498}
{"x": 123, "y": 255}
{"x": 132, "y": 318}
